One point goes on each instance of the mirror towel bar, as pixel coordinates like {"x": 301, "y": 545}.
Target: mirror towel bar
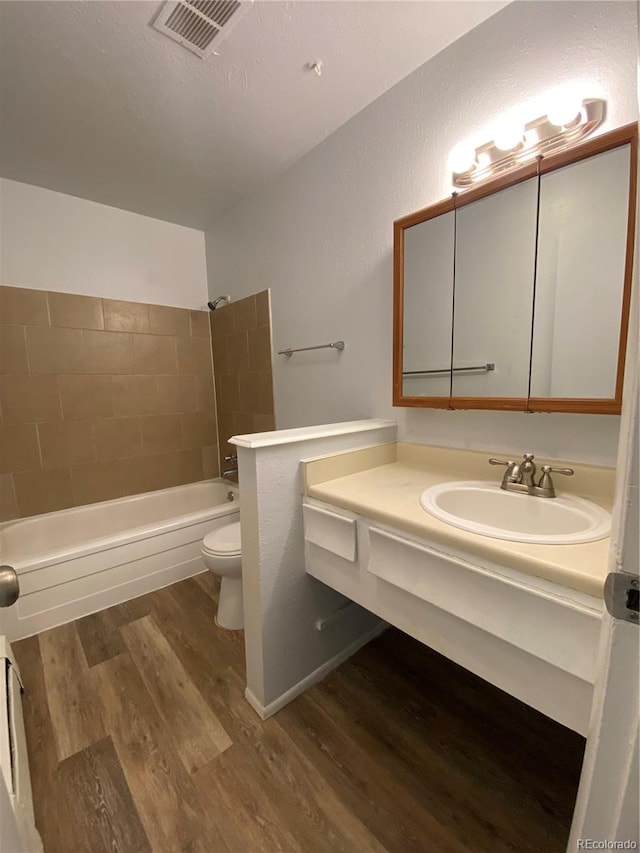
{"x": 472, "y": 368}
{"x": 339, "y": 345}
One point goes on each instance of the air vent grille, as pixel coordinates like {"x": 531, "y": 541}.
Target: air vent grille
{"x": 197, "y": 24}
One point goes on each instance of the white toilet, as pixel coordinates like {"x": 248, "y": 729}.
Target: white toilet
{"x": 222, "y": 554}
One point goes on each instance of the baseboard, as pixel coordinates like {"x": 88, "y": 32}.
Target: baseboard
{"x": 266, "y": 711}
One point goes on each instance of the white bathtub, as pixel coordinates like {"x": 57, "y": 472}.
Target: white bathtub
{"x": 78, "y": 561}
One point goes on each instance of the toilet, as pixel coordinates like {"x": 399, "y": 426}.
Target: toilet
{"x": 222, "y": 555}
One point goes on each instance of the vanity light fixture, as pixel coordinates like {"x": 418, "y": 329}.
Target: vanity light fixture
{"x": 566, "y": 123}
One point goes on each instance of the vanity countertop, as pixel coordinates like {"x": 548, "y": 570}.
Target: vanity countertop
{"x": 390, "y": 493}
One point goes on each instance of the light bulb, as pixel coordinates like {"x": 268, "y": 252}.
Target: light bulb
{"x": 462, "y": 158}
{"x": 508, "y": 136}
{"x": 565, "y": 112}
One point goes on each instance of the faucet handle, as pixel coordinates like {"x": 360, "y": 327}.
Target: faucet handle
{"x": 512, "y": 474}
{"x": 528, "y": 457}
{"x": 546, "y": 483}
{"x": 568, "y": 472}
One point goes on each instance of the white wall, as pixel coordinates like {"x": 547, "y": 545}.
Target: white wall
{"x": 53, "y": 241}
{"x": 285, "y": 652}
{"x": 321, "y": 236}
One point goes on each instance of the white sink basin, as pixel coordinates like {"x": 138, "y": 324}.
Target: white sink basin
{"x": 483, "y": 507}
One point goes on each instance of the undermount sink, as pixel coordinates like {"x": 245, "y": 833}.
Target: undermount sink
{"x": 484, "y": 508}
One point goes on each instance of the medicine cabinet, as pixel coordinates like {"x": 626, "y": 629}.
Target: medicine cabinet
{"x": 515, "y": 294}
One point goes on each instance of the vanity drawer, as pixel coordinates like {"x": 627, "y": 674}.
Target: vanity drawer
{"x": 333, "y": 531}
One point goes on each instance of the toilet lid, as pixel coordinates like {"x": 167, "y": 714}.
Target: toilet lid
{"x": 224, "y": 540}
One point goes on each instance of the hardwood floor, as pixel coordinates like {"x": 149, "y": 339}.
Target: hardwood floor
{"x": 140, "y": 739}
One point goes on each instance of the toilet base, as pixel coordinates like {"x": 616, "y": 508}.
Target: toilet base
{"x": 230, "y": 608}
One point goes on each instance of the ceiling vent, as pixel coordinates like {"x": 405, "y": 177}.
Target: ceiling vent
{"x": 200, "y": 25}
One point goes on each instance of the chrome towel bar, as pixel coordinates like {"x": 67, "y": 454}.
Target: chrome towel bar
{"x": 472, "y": 368}
{"x": 335, "y": 345}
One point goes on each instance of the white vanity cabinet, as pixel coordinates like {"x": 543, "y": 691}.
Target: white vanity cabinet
{"x": 533, "y": 638}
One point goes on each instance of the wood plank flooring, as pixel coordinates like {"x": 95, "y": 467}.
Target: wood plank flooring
{"x": 140, "y": 739}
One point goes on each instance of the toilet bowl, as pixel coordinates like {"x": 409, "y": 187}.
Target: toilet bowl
{"x": 222, "y": 555}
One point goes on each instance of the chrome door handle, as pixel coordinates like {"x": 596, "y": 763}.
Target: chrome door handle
{"x": 9, "y": 586}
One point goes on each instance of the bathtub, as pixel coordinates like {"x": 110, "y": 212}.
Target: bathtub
{"x": 78, "y": 561}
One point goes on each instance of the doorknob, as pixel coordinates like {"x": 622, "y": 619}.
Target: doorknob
{"x": 9, "y": 586}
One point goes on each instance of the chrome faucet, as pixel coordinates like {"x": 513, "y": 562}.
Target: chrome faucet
{"x": 233, "y": 458}
{"x": 519, "y": 477}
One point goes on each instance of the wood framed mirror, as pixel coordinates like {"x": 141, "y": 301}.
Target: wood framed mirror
{"x": 515, "y": 294}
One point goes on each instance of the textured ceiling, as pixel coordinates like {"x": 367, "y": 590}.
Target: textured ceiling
{"x": 95, "y": 103}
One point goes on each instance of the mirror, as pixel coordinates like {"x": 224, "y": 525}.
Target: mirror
{"x": 428, "y": 275}
{"x": 495, "y": 268}
{"x": 515, "y": 294}
{"x": 582, "y": 245}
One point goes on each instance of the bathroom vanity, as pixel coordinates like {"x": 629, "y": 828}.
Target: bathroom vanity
{"x": 525, "y": 617}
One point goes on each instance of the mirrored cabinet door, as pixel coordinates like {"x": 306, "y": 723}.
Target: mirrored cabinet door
{"x": 427, "y": 308}
{"x": 493, "y": 295}
{"x": 582, "y": 248}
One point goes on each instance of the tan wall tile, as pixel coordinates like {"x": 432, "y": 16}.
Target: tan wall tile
{"x": 176, "y": 394}
{"x": 198, "y": 430}
{"x": 200, "y": 324}
{"x": 125, "y": 316}
{"x": 221, "y": 357}
{"x": 161, "y": 432}
{"x": 154, "y": 354}
{"x": 263, "y": 423}
{"x": 43, "y": 491}
{"x": 169, "y": 321}
{"x": 108, "y": 352}
{"x": 229, "y": 393}
{"x": 206, "y": 396}
{"x": 245, "y": 314}
{"x": 94, "y": 403}
{"x": 262, "y": 308}
{"x": 260, "y": 349}
{"x": 144, "y": 474}
{"x": 194, "y": 355}
{"x": 162, "y": 470}
{"x": 24, "y": 306}
{"x": 13, "y": 350}
{"x": 242, "y": 423}
{"x": 184, "y": 466}
{"x": 85, "y": 397}
{"x": 249, "y": 392}
{"x": 210, "y": 465}
{"x": 118, "y": 438}
{"x": 238, "y": 352}
{"x": 55, "y": 350}
{"x": 225, "y": 431}
{"x": 68, "y": 310}
{"x": 66, "y": 443}
{"x": 19, "y": 450}
{"x": 222, "y": 322}
{"x": 97, "y": 481}
{"x": 134, "y": 395}
{"x": 28, "y": 399}
{"x": 265, "y": 402}
{"x": 8, "y": 500}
